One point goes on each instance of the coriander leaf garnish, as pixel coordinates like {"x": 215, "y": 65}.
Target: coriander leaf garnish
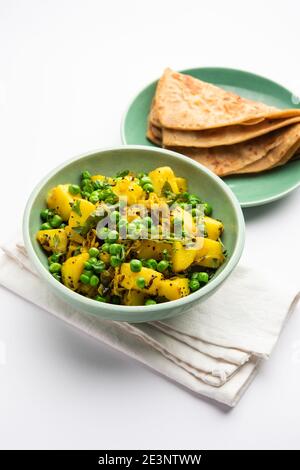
{"x": 76, "y": 208}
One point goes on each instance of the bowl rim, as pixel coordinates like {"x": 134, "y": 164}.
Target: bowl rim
{"x": 184, "y": 301}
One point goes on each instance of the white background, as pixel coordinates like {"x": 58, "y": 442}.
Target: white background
{"x": 67, "y": 72}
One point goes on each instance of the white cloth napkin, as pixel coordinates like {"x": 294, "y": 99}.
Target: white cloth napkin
{"x": 214, "y": 349}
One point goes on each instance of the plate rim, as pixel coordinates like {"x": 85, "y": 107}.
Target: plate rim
{"x": 259, "y": 202}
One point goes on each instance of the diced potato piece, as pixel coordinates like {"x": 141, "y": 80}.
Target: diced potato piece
{"x": 72, "y": 269}
{"x": 98, "y": 178}
{"x": 182, "y": 184}
{"x": 152, "y": 249}
{"x": 81, "y": 210}
{"x": 174, "y": 288}
{"x": 133, "y": 297}
{"x": 131, "y": 189}
{"x": 152, "y": 279}
{"x": 182, "y": 256}
{"x": 210, "y": 255}
{"x": 71, "y": 248}
{"x": 161, "y": 176}
{"x": 60, "y": 200}
{"x": 73, "y": 236}
{"x": 153, "y": 200}
{"x": 54, "y": 240}
{"x": 213, "y": 227}
{"x": 102, "y": 178}
{"x": 78, "y": 216}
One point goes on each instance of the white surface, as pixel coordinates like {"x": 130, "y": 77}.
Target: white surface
{"x": 68, "y": 70}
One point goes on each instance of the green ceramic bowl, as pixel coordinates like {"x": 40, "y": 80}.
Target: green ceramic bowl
{"x": 138, "y": 158}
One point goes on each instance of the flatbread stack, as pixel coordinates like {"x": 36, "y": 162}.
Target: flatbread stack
{"x": 223, "y": 131}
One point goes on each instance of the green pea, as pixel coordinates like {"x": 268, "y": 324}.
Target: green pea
{"x": 56, "y": 221}
{"x": 123, "y": 223}
{"x": 140, "y": 282}
{"x": 55, "y": 268}
{"x": 137, "y": 223}
{"x": 86, "y": 194}
{"x": 194, "y": 284}
{"x": 114, "y": 216}
{"x": 145, "y": 180}
{"x": 122, "y": 227}
{"x": 99, "y": 298}
{"x": 99, "y": 267}
{"x": 94, "y": 197}
{"x": 136, "y": 230}
{"x": 103, "y": 233}
{"x": 203, "y": 277}
{"x": 87, "y": 272}
{"x": 93, "y": 260}
{"x": 88, "y": 266}
{"x": 57, "y": 276}
{"x": 84, "y": 279}
{"x": 151, "y": 263}
{"x": 85, "y": 174}
{"x": 207, "y": 209}
{"x": 133, "y": 235}
{"x": 113, "y": 236}
{"x": 148, "y": 188}
{"x": 105, "y": 247}
{"x": 103, "y": 194}
{"x": 194, "y": 275}
{"x": 85, "y": 181}
{"x": 147, "y": 221}
{"x": 74, "y": 189}
{"x": 46, "y": 226}
{"x": 135, "y": 265}
{"x": 112, "y": 199}
{"x": 131, "y": 227}
{"x": 150, "y": 302}
{"x": 140, "y": 175}
{"x": 115, "y": 249}
{"x": 87, "y": 186}
{"x": 115, "y": 261}
{"x": 94, "y": 252}
{"x": 44, "y": 214}
{"x": 54, "y": 258}
{"x": 94, "y": 280}
{"x": 162, "y": 265}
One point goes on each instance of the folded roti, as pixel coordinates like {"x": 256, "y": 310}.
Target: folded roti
{"x": 256, "y": 155}
{"x": 186, "y": 103}
{"x": 280, "y": 156}
{"x": 223, "y": 135}
{"x": 151, "y": 135}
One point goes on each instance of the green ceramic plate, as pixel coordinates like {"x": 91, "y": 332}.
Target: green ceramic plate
{"x": 251, "y": 190}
